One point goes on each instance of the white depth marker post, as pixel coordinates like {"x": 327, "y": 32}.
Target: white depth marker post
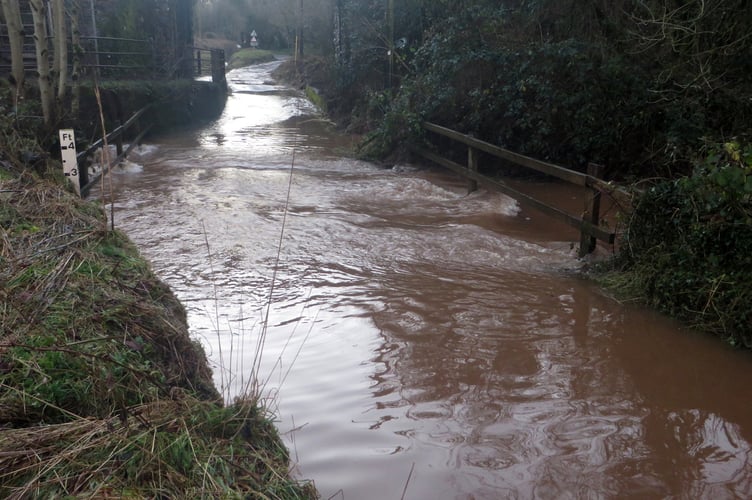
{"x": 68, "y": 154}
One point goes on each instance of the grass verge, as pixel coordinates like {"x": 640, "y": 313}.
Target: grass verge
{"x": 248, "y": 57}
{"x": 102, "y": 391}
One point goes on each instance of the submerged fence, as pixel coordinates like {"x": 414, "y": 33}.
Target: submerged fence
{"x": 86, "y": 181}
{"x": 588, "y": 222}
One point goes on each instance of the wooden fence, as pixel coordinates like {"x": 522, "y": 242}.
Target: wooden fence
{"x": 588, "y": 223}
{"x": 114, "y": 137}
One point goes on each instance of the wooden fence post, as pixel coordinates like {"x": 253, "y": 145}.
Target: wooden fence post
{"x": 119, "y": 139}
{"x": 592, "y": 210}
{"x": 83, "y": 176}
{"x": 472, "y": 165}
{"x": 218, "y": 66}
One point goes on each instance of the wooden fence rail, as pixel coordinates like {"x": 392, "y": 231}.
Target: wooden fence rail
{"x": 116, "y": 136}
{"x": 587, "y": 223}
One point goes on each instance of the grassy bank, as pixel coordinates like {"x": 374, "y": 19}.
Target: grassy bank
{"x": 102, "y": 391}
{"x": 248, "y": 57}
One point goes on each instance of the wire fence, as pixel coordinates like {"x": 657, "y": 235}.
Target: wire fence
{"x": 112, "y": 58}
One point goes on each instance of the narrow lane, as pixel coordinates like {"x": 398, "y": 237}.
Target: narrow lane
{"x": 417, "y": 331}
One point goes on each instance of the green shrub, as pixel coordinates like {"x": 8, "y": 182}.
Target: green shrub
{"x": 688, "y": 247}
{"x": 564, "y": 83}
{"x": 569, "y": 102}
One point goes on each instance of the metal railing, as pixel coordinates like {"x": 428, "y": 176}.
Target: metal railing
{"x": 125, "y": 59}
{"x": 119, "y": 57}
{"x": 209, "y": 62}
{"x": 109, "y": 57}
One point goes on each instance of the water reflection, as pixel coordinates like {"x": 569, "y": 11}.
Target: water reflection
{"x": 541, "y": 407}
{"x": 416, "y": 331}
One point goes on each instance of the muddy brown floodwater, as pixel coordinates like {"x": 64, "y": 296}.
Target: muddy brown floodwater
{"x": 421, "y": 342}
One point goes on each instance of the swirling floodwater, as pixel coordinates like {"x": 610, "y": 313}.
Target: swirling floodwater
{"x": 413, "y": 340}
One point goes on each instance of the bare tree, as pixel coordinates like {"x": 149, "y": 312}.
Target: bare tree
{"x": 52, "y": 72}
{"x": 700, "y": 42}
{"x": 299, "y": 31}
{"x": 77, "y": 51}
{"x": 12, "y": 14}
{"x": 46, "y": 91}
{"x": 61, "y": 48}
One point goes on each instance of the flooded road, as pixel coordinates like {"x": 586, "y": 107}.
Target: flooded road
{"x": 415, "y": 341}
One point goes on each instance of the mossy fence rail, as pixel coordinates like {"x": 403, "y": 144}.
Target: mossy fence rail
{"x": 588, "y": 223}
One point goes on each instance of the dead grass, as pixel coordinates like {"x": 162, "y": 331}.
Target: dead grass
{"x": 178, "y": 448}
{"x": 102, "y": 391}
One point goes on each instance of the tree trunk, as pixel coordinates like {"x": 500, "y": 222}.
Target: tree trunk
{"x": 61, "y": 49}
{"x": 390, "y": 42}
{"x": 51, "y": 10}
{"x": 299, "y": 32}
{"x": 46, "y": 93}
{"x": 12, "y": 15}
{"x": 77, "y": 51}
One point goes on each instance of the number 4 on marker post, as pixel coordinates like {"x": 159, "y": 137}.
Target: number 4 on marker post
{"x": 68, "y": 156}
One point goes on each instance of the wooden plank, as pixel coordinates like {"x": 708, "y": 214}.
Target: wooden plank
{"x": 565, "y": 174}
{"x": 472, "y": 164}
{"x": 115, "y": 133}
{"x": 522, "y": 198}
{"x": 85, "y": 189}
{"x": 118, "y": 132}
{"x": 592, "y": 211}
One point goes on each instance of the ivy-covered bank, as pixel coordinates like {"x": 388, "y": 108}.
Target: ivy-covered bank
{"x": 688, "y": 246}
{"x": 102, "y": 391}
